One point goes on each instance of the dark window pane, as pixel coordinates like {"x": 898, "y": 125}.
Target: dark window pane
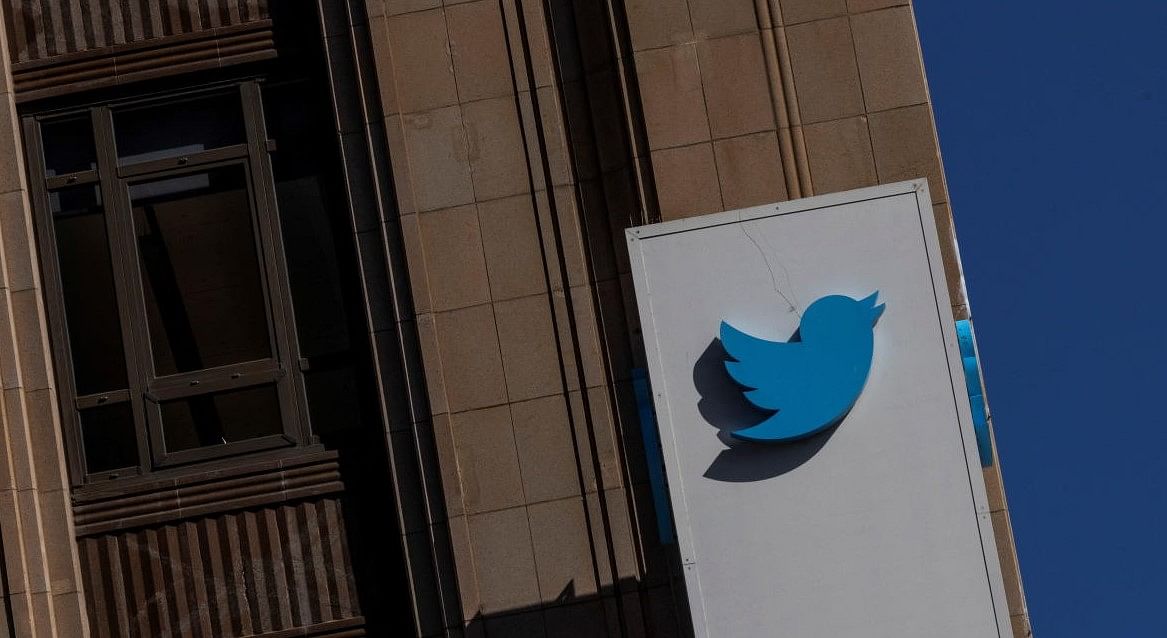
{"x": 305, "y": 169}
{"x": 196, "y": 245}
{"x": 293, "y": 113}
{"x": 288, "y": 110}
{"x": 109, "y": 439}
{"x": 334, "y": 400}
{"x": 179, "y": 128}
{"x": 91, "y": 313}
{"x": 68, "y": 146}
{"x": 218, "y": 419}
{"x": 321, "y": 320}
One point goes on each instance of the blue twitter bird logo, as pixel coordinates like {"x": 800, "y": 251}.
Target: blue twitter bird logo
{"x": 811, "y": 381}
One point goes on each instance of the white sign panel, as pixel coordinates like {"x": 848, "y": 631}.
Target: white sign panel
{"x": 791, "y": 520}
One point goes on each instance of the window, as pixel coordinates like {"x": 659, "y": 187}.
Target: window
{"x": 168, "y": 295}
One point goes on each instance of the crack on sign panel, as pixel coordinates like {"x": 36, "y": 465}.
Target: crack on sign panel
{"x": 792, "y": 305}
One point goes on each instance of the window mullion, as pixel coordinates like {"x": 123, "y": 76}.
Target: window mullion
{"x": 197, "y": 159}
{"x": 123, "y": 251}
{"x": 214, "y": 380}
{"x": 102, "y": 398}
{"x": 71, "y": 179}
{"x": 292, "y": 391}
{"x": 51, "y": 281}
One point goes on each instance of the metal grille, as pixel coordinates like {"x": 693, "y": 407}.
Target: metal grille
{"x": 39, "y": 29}
{"x": 272, "y": 570}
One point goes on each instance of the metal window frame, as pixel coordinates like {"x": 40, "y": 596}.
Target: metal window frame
{"x": 147, "y": 390}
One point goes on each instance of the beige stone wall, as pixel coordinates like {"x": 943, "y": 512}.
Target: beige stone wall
{"x": 506, "y": 210}
{"x": 36, "y": 525}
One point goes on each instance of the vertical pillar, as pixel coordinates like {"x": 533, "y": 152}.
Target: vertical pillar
{"x": 41, "y": 568}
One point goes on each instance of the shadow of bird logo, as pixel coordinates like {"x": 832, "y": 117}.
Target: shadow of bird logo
{"x": 812, "y": 380}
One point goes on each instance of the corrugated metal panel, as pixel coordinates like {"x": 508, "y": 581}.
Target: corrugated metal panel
{"x": 39, "y": 29}
{"x": 258, "y": 572}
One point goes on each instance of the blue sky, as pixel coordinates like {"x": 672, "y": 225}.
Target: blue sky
{"x": 1053, "y": 128}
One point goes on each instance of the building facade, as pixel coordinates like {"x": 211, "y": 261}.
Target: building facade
{"x": 317, "y": 318}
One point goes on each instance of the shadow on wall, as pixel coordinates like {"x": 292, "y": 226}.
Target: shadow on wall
{"x": 627, "y": 609}
{"x": 723, "y": 406}
{"x": 599, "y": 105}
